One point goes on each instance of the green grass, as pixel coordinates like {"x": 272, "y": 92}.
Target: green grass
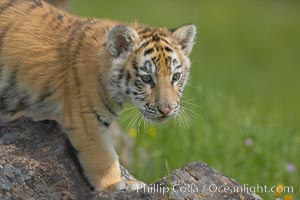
{"x": 244, "y": 83}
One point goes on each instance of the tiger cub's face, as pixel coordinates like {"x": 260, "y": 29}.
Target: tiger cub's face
{"x": 150, "y": 68}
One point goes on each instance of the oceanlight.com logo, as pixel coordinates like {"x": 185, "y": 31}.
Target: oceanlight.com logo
{"x": 213, "y": 188}
{"x": 245, "y": 188}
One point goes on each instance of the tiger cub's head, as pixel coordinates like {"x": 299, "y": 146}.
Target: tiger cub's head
{"x": 150, "y": 67}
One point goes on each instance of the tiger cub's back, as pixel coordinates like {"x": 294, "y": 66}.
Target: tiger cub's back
{"x": 31, "y": 75}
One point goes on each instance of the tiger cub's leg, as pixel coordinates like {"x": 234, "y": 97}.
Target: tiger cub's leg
{"x": 96, "y": 154}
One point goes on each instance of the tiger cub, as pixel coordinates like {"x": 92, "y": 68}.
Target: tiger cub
{"x": 79, "y": 72}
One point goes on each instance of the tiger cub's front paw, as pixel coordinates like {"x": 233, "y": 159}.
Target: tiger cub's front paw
{"x": 127, "y": 185}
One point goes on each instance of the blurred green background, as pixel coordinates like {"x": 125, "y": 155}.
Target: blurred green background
{"x": 243, "y": 94}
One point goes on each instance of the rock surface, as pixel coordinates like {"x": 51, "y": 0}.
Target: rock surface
{"x": 35, "y": 163}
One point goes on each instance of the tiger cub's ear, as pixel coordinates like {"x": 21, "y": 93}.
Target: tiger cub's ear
{"x": 185, "y": 35}
{"x": 121, "y": 39}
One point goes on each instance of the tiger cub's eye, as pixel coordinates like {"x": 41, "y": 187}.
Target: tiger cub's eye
{"x": 146, "y": 79}
{"x": 176, "y": 77}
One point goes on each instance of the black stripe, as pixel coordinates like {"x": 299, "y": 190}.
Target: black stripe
{"x": 168, "y": 49}
{"x": 105, "y": 100}
{"x": 121, "y": 74}
{"x": 140, "y": 98}
{"x": 86, "y": 26}
{"x": 143, "y": 93}
{"x": 102, "y": 121}
{"x": 109, "y": 109}
{"x": 128, "y": 77}
{"x": 148, "y": 51}
{"x": 168, "y": 60}
{"x": 155, "y": 38}
{"x": 100, "y": 118}
{"x": 77, "y": 49}
{"x": 46, "y": 94}
{"x": 155, "y": 60}
{"x": 165, "y": 41}
{"x": 144, "y": 45}
{"x": 179, "y": 66}
{"x": 76, "y": 26}
{"x": 175, "y": 61}
{"x": 138, "y": 84}
{"x": 151, "y": 111}
{"x": 135, "y": 66}
{"x": 145, "y": 30}
{"x": 7, "y": 5}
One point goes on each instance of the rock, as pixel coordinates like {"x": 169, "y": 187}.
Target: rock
{"x": 37, "y": 164}
{"x": 194, "y": 181}
{"x": 8, "y": 138}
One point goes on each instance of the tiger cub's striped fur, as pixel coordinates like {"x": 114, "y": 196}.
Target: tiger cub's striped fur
{"x": 79, "y": 71}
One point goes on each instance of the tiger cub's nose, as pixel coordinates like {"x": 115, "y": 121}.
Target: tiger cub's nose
{"x": 165, "y": 110}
